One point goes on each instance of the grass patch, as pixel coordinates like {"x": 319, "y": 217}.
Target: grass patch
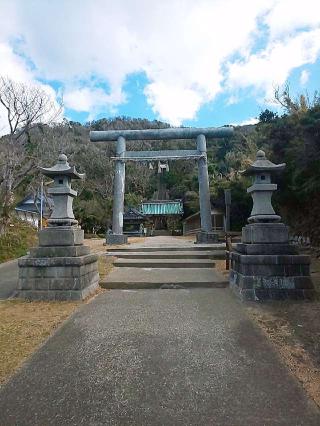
{"x": 24, "y": 326}
{"x": 17, "y": 241}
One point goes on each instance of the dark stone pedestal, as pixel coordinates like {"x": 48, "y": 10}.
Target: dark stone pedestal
{"x": 63, "y": 271}
{"x": 265, "y": 266}
{"x": 116, "y": 239}
{"x": 207, "y": 237}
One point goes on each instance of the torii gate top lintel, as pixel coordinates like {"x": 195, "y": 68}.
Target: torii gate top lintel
{"x": 161, "y": 134}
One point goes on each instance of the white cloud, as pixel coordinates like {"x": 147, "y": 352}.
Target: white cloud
{"x": 173, "y": 104}
{"x": 247, "y": 122}
{"x": 91, "y": 100}
{"x": 287, "y": 16}
{"x": 304, "y": 77}
{"x": 232, "y": 100}
{"x": 272, "y": 66}
{"x": 190, "y": 51}
{"x": 179, "y": 45}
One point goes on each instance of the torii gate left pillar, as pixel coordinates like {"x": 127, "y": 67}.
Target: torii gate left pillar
{"x": 117, "y": 236}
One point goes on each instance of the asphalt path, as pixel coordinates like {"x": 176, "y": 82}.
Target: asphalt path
{"x": 8, "y": 278}
{"x": 157, "y": 357}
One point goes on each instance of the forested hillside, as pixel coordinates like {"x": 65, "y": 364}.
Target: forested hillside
{"x": 292, "y": 138}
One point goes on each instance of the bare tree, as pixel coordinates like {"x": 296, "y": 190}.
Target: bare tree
{"x": 25, "y": 106}
{"x": 295, "y": 106}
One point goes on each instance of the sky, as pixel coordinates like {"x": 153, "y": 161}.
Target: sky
{"x": 201, "y": 63}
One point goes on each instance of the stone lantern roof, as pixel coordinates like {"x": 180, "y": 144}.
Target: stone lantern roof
{"x": 62, "y": 168}
{"x": 262, "y": 164}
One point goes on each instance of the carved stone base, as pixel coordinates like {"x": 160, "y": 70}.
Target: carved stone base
{"x": 265, "y": 266}
{"x": 260, "y": 288}
{"x": 58, "y": 278}
{"x": 207, "y": 237}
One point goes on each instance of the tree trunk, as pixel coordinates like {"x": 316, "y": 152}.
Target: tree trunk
{"x": 7, "y": 196}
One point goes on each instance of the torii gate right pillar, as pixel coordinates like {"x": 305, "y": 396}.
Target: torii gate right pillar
{"x": 206, "y": 235}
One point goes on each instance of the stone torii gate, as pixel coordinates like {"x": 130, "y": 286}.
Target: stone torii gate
{"x": 200, "y": 154}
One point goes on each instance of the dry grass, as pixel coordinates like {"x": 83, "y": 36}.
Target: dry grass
{"x": 105, "y": 265}
{"x": 24, "y": 326}
{"x": 95, "y": 244}
{"x": 98, "y": 245}
{"x": 186, "y": 237}
{"x": 293, "y": 350}
{"x": 132, "y": 240}
{"x": 220, "y": 265}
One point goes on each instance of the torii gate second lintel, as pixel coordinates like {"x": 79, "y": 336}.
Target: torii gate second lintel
{"x": 200, "y": 154}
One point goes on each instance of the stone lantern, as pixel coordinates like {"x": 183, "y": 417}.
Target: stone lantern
{"x": 61, "y": 268}
{"x": 61, "y": 192}
{"x": 265, "y": 265}
{"x": 262, "y": 189}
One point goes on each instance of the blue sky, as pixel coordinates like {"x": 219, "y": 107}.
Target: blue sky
{"x": 203, "y": 63}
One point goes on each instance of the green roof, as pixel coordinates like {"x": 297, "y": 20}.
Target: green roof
{"x": 162, "y": 208}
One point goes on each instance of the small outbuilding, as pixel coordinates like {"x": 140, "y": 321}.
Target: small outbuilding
{"x": 191, "y": 225}
{"x": 133, "y": 222}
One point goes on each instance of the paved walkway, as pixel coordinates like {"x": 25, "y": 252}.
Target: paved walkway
{"x": 8, "y": 278}
{"x": 157, "y": 357}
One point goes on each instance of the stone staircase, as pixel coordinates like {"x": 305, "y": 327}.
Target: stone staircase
{"x": 165, "y": 267}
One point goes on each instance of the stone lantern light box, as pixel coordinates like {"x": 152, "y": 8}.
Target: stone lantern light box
{"x": 61, "y": 268}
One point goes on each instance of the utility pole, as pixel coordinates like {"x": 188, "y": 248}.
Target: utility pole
{"x": 41, "y": 203}
{"x": 227, "y": 200}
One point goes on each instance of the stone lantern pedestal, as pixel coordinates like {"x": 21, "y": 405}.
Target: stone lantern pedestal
{"x": 61, "y": 268}
{"x": 264, "y": 265}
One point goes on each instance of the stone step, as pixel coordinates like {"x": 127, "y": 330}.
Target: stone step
{"x": 150, "y": 278}
{"x": 162, "y": 233}
{"x": 169, "y": 255}
{"x": 164, "y": 263}
{"x": 198, "y": 247}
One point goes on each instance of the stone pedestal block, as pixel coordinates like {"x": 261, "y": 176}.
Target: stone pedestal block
{"x": 266, "y": 248}
{"x": 265, "y": 233}
{"x": 61, "y": 236}
{"x": 60, "y": 251}
{"x": 207, "y": 237}
{"x": 116, "y": 239}
{"x": 58, "y": 278}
